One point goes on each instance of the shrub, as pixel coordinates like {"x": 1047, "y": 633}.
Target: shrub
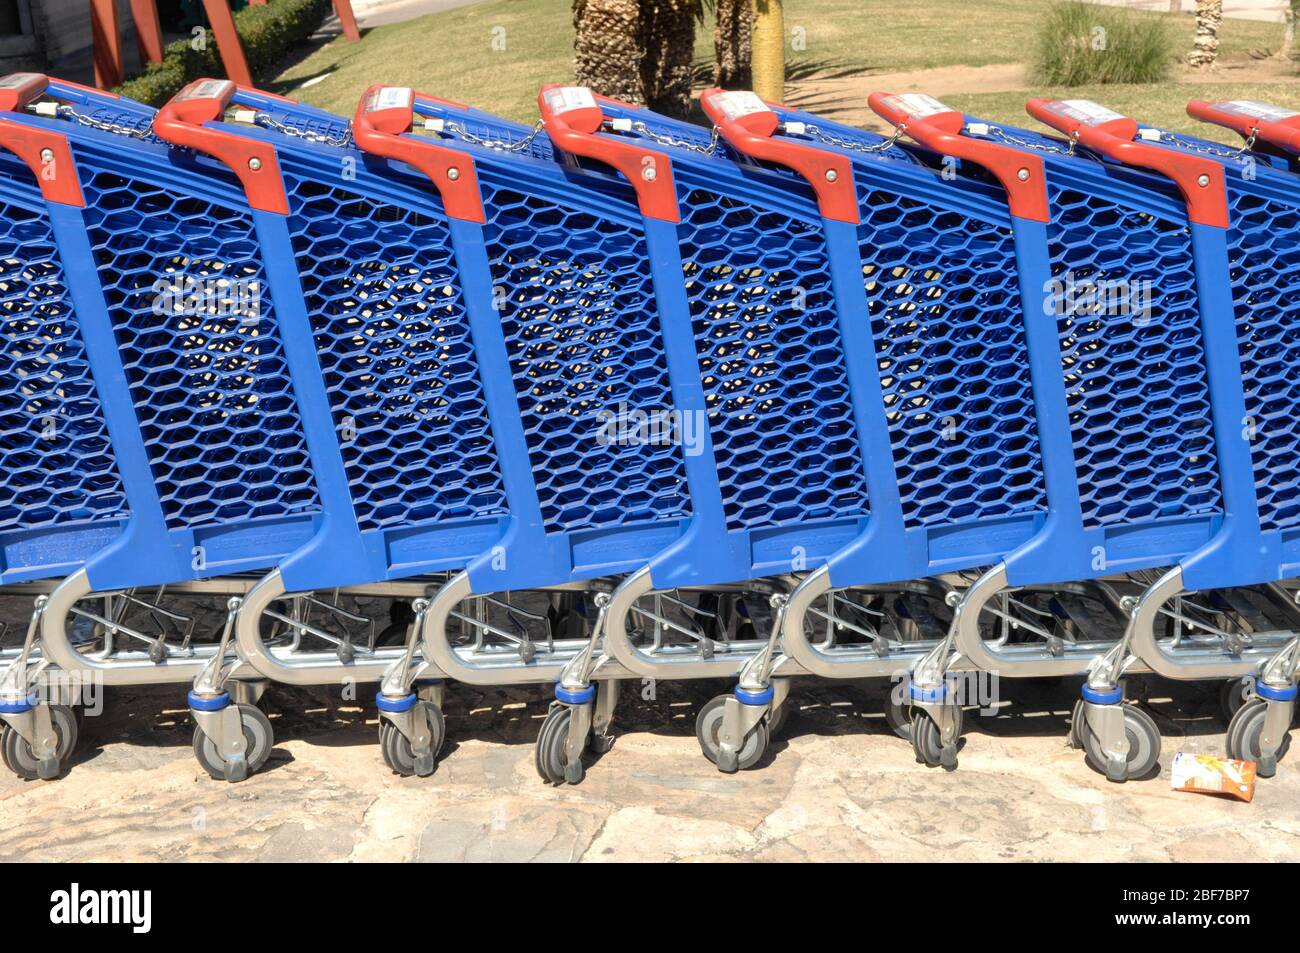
{"x": 269, "y": 33}
{"x": 1082, "y": 44}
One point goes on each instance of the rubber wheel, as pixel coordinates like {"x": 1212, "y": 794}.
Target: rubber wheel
{"x": 898, "y": 715}
{"x": 17, "y": 753}
{"x": 1244, "y": 730}
{"x": 708, "y": 728}
{"x": 550, "y": 754}
{"x": 1235, "y": 693}
{"x": 396, "y": 747}
{"x": 1143, "y": 743}
{"x": 927, "y": 738}
{"x": 1076, "y": 725}
{"x": 777, "y": 718}
{"x": 258, "y": 740}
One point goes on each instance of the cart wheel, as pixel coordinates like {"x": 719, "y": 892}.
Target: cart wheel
{"x": 396, "y": 747}
{"x": 708, "y": 728}
{"x": 1235, "y": 693}
{"x": 17, "y": 753}
{"x": 258, "y": 739}
{"x": 777, "y": 718}
{"x": 1245, "y": 728}
{"x": 927, "y": 738}
{"x": 550, "y": 754}
{"x": 1143, "y": 744}
{"x": 1076, "y": 725}
{"x": 898, "y": 715}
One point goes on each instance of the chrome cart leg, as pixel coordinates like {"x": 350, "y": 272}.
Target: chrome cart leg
{"x": 232, "y": 738}
{"x": 936, "y": 711}
{"x": 567, "y": 730}
{"x": 411, "y": 725}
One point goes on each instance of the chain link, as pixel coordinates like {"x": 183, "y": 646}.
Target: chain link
{"x": 500, "y": 145}
{"x": 341, "y": 141}
{"x": 104, "y": 125}
{"x": 831, "y": 139}
{"x": 997, "y": 132}
{"x": 1212, "y": 149}
{"x": 664, "y": 139}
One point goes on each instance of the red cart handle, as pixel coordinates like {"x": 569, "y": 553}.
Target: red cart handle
{"x": 747, "y": 123}
{"x": 1275, "y": 125}
{"x": 572, "y": 116}
{"x": 1200, "y": 180}
{"x": 939, "y": 127}
{"x": 384, "y": 115}
{"x": 182, "y": 123}
{"x": 46, "y": 152}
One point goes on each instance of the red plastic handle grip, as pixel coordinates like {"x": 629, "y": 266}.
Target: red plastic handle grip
{"x": 1276, "y": 126}
{"x": 384, "y": 116}
{"x": 182, "y": 123}
{"x": 1200, "y": 180}
{"x": 45, "y": 151}
{"x": 747, "y": 123}
{"x": 939, "y": 128}
{"x": 20, "y": 90}
{"x": 571, "y": 116}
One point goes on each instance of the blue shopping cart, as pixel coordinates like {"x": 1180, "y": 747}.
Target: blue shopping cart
{"x": 1153, "y": 392}
{"x": 63, "y": 497}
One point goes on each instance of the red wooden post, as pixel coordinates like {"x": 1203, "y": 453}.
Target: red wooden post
{"x": 148, "y": 34}
{"x": 232, "y": 51}
{"x": 106, "y": 43}
{"x": 344, "y": 9}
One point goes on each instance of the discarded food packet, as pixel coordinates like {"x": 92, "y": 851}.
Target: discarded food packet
{"x": 1209, "y": 774}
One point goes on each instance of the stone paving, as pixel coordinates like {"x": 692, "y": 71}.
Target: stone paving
{"x": 836, "y": 786}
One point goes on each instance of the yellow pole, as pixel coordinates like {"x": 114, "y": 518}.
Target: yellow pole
{"x": 768, "y": 46}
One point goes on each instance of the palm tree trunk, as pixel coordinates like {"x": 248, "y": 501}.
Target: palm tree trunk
{"x": 668, "y": 38}
{"x": 769, "y": 50}
{"x": 731, "y": 44}
{"x": 1205, "y": 48}
{"x": 607, "y": 51}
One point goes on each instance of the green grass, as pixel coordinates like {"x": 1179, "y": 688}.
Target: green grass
{"x": 450, "y": 54}
{"x": 1079, "y": 44}
{"x": 1164, "y": 105}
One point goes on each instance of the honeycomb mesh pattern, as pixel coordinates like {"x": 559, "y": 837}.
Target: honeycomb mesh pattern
{"x": 1264, "y": 257}
{"x": 56, "y": 463}
{"x": 772, "y": 364}
{"x": 944, "y": 300}
{"x": 581, "y": 325}
{"x": 1136, "y": 384}
{"x": 209, "y": 383}
{"x": 394, "y": 343}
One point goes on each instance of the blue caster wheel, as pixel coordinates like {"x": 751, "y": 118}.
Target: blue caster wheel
{"x": 17, "y": 753}
{"x": 1143, "y": 743}
{"x": 258, "y": 740}
{"x": 708, "y": 728}
{"x": 1247, "y": 725}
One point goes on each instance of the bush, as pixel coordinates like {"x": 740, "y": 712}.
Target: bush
{"x": 269, "y": 33}
{"x": 1082, "y": 44}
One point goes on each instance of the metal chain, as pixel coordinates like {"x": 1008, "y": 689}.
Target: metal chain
{"x": 997, "y": 132}
{"x": 1212, "y": 149}
{"x": 664, "y": 139}
{"x": 831, "y": 139}
{"x": 501, "y": 145}
{"x": 104, "y": 125}
{"x": 267, "y": 121}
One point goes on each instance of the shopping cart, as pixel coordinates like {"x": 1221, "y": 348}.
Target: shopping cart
{"x": 183, "y": 307}
{"x": 63, "y": 497}
{"x": 1154, "y": 394}
{"x": 578, "y": 313}
{"x": 1264, "y": 251}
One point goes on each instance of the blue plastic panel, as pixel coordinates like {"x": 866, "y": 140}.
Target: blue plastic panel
{"x": 386, "y": 303}
{"x": 1136, "y": 382}
{"x": 211, "y": 390}
{"x": 581, "y": 325}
